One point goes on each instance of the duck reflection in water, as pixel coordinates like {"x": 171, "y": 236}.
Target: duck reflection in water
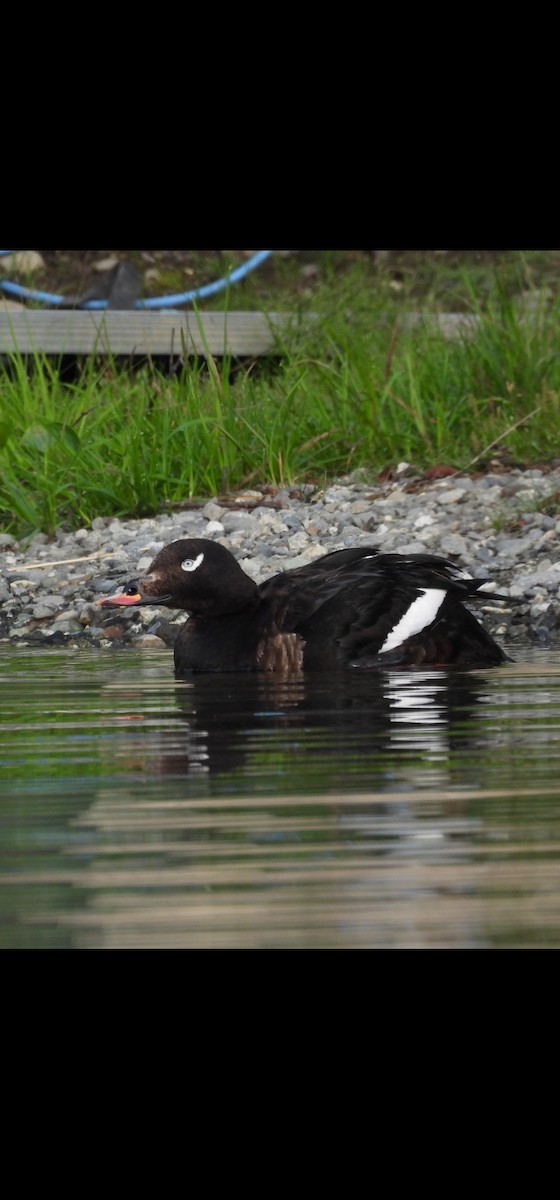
{"x": 321, "y": 732}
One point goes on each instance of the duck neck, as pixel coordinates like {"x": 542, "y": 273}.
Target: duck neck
{"x": 243, "y": 597}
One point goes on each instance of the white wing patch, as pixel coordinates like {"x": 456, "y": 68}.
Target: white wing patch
{"x": 190, "y": 564}
{"x": 417, "y": 617}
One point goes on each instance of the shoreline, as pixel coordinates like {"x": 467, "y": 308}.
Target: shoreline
{"x": 504, "y": 527}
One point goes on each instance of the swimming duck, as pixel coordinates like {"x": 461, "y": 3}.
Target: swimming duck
{"x": 350, "y": 608}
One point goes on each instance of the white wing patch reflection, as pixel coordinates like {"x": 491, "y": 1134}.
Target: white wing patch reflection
{"x": 420, "y": 720}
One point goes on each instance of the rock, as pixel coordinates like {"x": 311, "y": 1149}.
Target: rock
{"x": 212, "y": 511}
{"x": 22, "y": 262}
{"x": 106, "y": 264}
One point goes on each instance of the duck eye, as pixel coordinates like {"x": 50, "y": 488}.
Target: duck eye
{"x": 190, "y": 564}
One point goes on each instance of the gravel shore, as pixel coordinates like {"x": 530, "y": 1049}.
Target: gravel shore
{"x": 503, "y": 526}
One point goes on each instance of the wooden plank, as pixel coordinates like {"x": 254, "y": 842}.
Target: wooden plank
{"x": 171, "y": 333}
{"x": 141, "y": 333}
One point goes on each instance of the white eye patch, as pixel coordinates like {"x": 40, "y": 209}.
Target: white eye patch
{"x": 190, "y": 564}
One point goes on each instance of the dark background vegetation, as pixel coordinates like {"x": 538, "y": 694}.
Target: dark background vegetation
{"x": 434, "y": 277}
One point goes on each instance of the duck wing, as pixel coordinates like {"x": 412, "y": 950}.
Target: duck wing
{"x": 380, "y": 608}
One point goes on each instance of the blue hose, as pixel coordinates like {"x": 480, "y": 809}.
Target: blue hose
{"x": 208, "y": 289}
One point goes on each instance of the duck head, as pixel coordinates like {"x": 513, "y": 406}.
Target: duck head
{"x": 193, "y": 574}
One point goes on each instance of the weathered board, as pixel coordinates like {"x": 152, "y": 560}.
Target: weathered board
{"x": 138, "y": 333}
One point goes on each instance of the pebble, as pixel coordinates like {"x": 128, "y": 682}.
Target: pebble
{"x": 498, "y": 526}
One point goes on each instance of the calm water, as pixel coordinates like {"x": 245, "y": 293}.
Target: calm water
{"x": 372, "y": 810}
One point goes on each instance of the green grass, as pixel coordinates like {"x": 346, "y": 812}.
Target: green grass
{"x": 356, "y": 391}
